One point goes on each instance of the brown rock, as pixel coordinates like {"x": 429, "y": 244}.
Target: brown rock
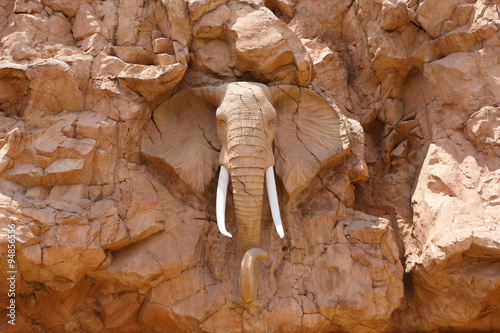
{"x": 71, "y": 194}
{"x": 44, "y": 217}
{"x": 47, "y": 143}
{"x": 64, "y": 171}
{"x": 442, "y": 75}
{"x": 213, "y": 56}
{"x": 13, "y": 85}
{"x": 89, "y": 321}
{"x": 64, "y": 320}
{"x": 142, "y": 219}
{"x": 177, "y": 25}
{"x": 93, "y": 44}
{"x": 213, "y": 24}
{"x": 30, "y": 260}
{"x": 73, "y": 148}
{"x": 28, "y": 7}
{"x": 110, "y": 239}
{"x": 224, "y": 320}
{"x": 61, "y": 79}
{"x": 68, "y": 7}
{"x": 395, "y": 15}
{"x": 279, "y": 49}
{"x": 155, "y": 317}
{"x": 460, "y": 232}
{"x": 87, "y": 23}
{"x": 163, "y": 45}
{"x": 113, "y": 233}
{"x": 133, "y": 54}
{"x": 226, "y": 46}
{"x": 129, "y": 29}
{"x": 198, "y": 8}
{"x": 145, "y": 264}
{"x": 287, "y": 314}
{"x": 81, "y": 252}
{"x": 379, "y": 286}
{"x": 154, "y": 83}
{"x": 323, "y": 19}
{"x": 330, "y": 79}
{"x": 483, "y": 129}
{"x": 287, "y": 7}
{"x": 11, "y": 148}
{"x": 96, "y": 126}
{"x": 120, "y": 309}
{"x": 104, "y": 166}
{"x": 163, "y": 59}
{"x": 27, "y": 175}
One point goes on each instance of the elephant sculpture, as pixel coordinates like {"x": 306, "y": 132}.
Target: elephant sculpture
{"x": 234, "y": 126}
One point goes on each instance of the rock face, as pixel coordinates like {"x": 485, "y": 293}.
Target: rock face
{"x": 109, "y": 163}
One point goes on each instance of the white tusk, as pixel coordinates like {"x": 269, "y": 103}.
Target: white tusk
{"x": 221, "y": 200}
{"x": 273, "y": 201}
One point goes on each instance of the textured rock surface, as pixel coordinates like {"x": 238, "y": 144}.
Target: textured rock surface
{"x": 110, "y": 241}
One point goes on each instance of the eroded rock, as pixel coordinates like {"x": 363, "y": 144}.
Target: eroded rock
{"x": 109, "y": 237}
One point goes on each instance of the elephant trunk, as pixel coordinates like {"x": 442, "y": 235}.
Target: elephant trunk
{"x": 248, "y": 274}
{"x": 246, "y": 149}
{"x": 248, "y": 158}
{"x": 248, "y": 195}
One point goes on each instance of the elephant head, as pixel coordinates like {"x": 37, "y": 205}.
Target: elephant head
{"x": 234, "y": 126}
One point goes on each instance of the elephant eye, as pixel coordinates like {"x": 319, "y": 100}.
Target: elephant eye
{"x": 221, "y": 123}
{"x": 271, "y": 122}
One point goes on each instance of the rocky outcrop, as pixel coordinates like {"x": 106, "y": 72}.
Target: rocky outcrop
{"x": 109, "y": 238}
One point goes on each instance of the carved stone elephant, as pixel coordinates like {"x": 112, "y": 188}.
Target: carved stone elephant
{"x": 234, "y": 126}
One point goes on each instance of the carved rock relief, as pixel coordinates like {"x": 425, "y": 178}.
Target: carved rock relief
{"x": 115, "y": 126}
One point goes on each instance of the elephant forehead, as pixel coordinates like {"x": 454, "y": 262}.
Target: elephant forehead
{"x": 248, "y": 106}
{"x": 247, "y": 93}
{"x": 242, "y": 86}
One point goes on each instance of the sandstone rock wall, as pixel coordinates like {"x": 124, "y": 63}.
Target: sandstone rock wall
{"x": 109, "y": 241}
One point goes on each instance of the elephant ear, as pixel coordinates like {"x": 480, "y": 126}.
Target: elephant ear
{"x": 310, "y": 134}
{"x": 182, "y": 135}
